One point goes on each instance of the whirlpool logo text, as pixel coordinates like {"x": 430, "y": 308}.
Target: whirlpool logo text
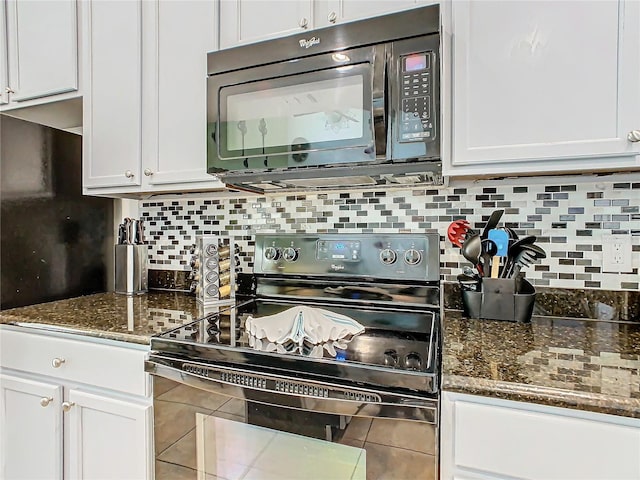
{"x": 309, "y": 43}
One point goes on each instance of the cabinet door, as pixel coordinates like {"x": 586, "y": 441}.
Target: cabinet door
{"x": 532, "y": 83}
{"x": 346, "y": 10}
{"x": 108, "y": 438}
{"x": 178, "y": 35}
{"x": 246, "y": 21}
{"x": 43, "y": 47}
{"x": 4, "y": 74}
{"x": 30, "y": 429}
{"x": 112, "y": 107}
{"x": 507, "y": 439}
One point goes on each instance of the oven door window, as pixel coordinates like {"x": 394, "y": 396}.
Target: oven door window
{"x": 290, "y": 117}
{"x": 201, "y": 434}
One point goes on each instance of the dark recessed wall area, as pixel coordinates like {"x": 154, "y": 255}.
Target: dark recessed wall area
{"x": 54, "y": 240}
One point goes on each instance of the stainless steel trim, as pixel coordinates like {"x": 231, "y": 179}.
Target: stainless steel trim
{"x": 276, "y": 390}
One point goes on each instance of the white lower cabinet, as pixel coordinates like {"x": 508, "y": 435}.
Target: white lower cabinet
{"x": 58, "y": 426}
{"x": 489, "y": 438}
{"x": 30, "y": 422}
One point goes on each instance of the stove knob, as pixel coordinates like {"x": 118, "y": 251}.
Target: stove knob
{"x": 290, "y": 254}
{"x": 272, "y": 253}
{"x": 391, "y": 358}
{"x": 412, "y": 256}
{"x": 413, "y": 361}
{"x": 388, "y": 256}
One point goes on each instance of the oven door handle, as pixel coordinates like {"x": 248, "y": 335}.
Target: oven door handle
{"x": 289, "y": 392}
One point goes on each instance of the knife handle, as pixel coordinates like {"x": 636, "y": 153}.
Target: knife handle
{"x": 495, "y": 266}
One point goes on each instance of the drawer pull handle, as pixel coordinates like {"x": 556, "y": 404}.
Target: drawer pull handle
{"x": 57, "y": 362}
{"x": 45, "y": 401}
{"x": 66, "y": 406}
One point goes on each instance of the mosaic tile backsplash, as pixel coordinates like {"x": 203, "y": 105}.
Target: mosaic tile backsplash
{"x": 568, "y": 217}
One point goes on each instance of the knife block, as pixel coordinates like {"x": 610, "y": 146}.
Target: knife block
{"x": 131, "y": 269}
{"x": 498, "y": 300}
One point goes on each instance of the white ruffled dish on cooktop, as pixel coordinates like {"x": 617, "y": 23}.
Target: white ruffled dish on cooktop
{"x": 302, "y": 324}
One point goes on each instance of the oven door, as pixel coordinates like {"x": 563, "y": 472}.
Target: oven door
{"x": 316, "y": 111}
{"x": 215, "y": 422}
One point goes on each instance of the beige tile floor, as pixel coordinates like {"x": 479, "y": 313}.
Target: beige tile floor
{"x": 373, "y": 449}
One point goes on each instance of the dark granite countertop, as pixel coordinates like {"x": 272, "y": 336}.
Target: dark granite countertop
{"x": 109, "y": 315}
{"x": 584, "y": 364}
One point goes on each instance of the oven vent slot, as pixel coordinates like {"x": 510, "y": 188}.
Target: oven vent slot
{"x": 244, "y": 380}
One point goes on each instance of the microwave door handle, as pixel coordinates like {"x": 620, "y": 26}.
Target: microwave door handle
{"x": 379, "y": 98}
{"x": 240, "y": 385}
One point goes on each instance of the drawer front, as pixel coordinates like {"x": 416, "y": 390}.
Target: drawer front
{"x": 83, "y": 361}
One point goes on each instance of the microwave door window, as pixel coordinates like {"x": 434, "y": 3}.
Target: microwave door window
{"x": 287, "y": 119}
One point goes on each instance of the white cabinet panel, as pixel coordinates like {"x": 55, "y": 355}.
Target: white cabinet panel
{"x": 506, "y": 439}
{"x": 97, "y": 422}
{"x": 30, "y": 429}
{"x": 76, "y": 361}
{"x": 346, "y": 10}
{"x": 112, "y": 108}
{"x": 531, "y": 82}
{"x": 247, "y": 21}
{"x": 182, "y": 33}
{"x": 43, "y": 51}
{"x": 4, "y": 73}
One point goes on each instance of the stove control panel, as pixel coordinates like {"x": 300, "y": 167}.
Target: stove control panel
{"x": 407, "y": 257}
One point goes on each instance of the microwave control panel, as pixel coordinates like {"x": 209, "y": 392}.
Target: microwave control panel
{"x": 416, "y": 77}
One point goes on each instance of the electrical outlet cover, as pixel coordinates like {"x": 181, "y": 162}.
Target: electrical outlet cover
{"x": 616, "y": 254}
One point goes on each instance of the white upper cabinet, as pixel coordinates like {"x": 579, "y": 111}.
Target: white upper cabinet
{"x": 145, "y": 120}
{"x": 177, "y": 37}
{"x": 41, "y": 49}
{"x": 336, "y": 11}
{"x": 542, "y": 86}
{"x": 112, "y": 125}
{"x": 248, "y": 21}
{"x": 4, "y": 73}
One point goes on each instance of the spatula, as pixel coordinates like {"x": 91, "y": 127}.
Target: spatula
{"x": 501, "y": 239}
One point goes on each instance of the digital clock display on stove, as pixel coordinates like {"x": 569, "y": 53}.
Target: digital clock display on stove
{"x": 345, "y": 250}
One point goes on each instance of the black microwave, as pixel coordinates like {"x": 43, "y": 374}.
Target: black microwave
{"x": 355, "y": 104}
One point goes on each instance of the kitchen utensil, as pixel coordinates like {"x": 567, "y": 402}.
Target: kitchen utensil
{"x": 514, "y": 250}
{"x": 457, "y": 232}
{"x": 472, "y": 248}
{"x": 139, "y": 235}
{"x": 128, "y": 231}
{"x": 501, "y": 239}
{"x": 493, "y": 221}
{"x": 511, "y": 232}
{"x": 489, "y": 249}
{"x": 528, "y": 255}
{"x": 121, "y": 234}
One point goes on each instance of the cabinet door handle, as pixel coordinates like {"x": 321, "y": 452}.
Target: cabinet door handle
{"x": 634, "y": 136}
{"x": 332, "y": 17}
{"x": 66, "y": 406}
{"x": 9, "y": 90}
{"x": 304, "y": 23}
{"x": 148, "y": 172}
{"x": 128, "y": 174}
{"x": 45, "y": 401}
{"x": 57, "y": 362}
